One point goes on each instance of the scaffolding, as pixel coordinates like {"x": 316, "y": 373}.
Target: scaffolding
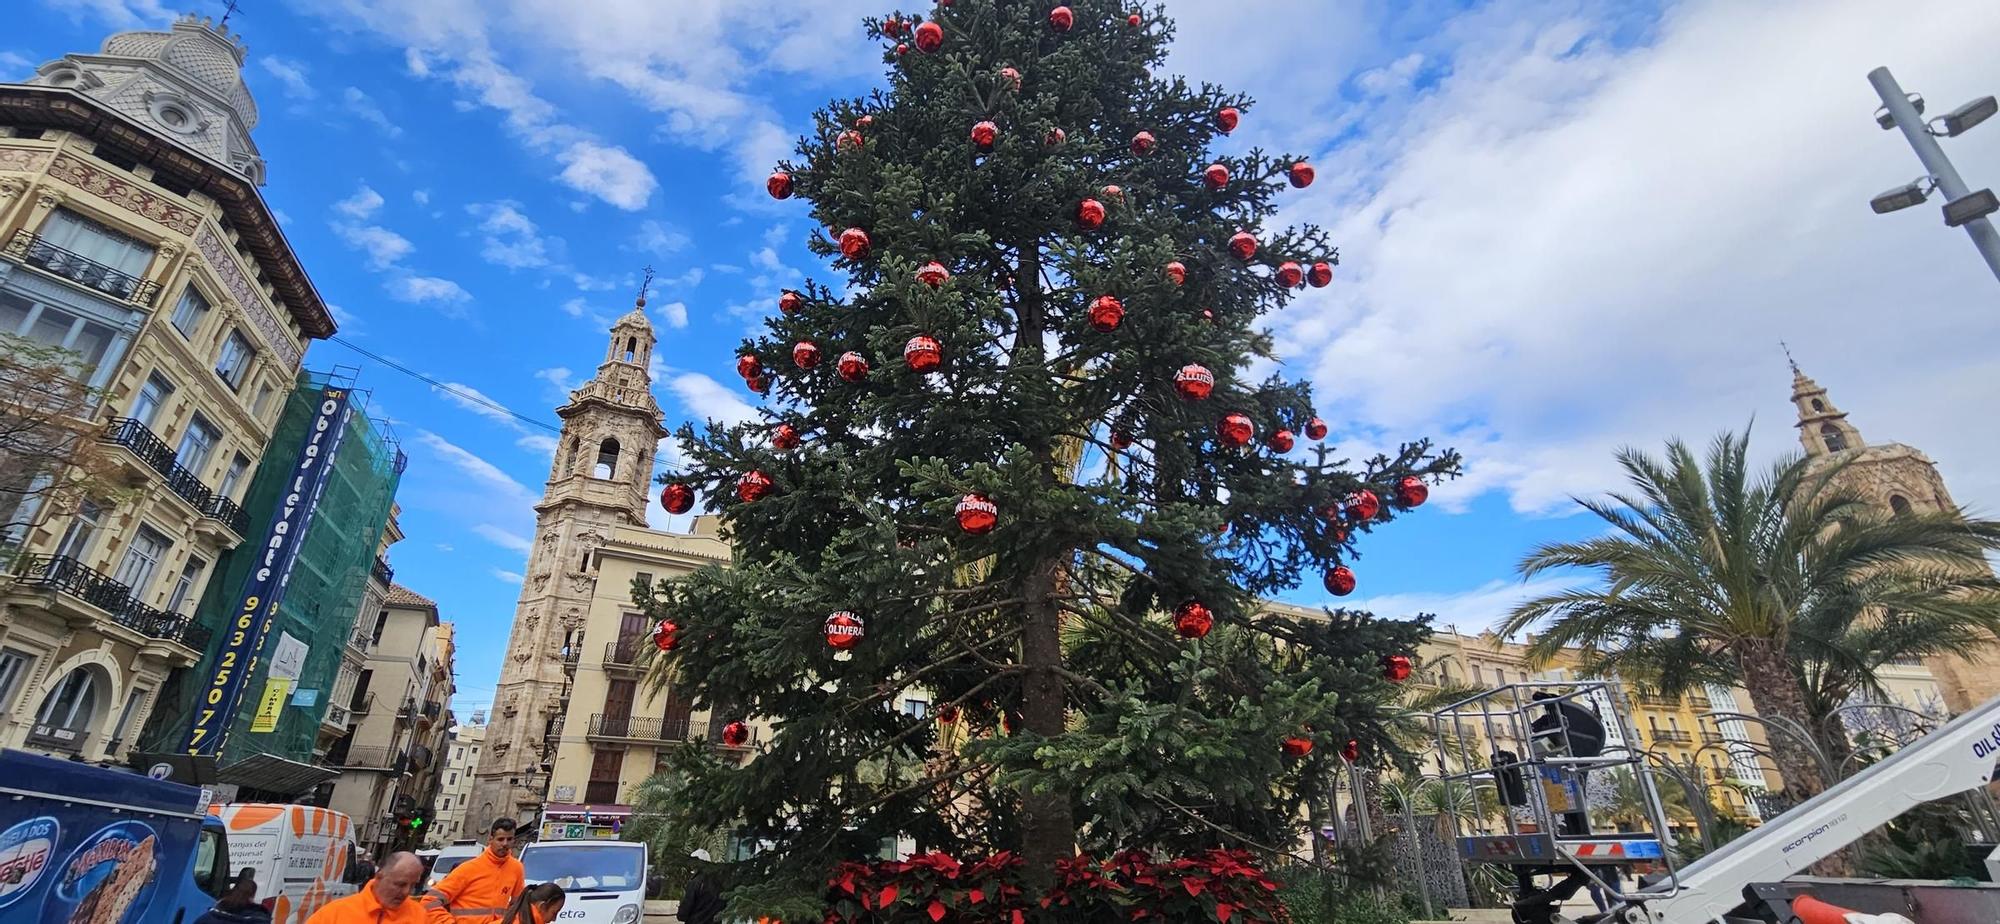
{"x": 322, "y": 599}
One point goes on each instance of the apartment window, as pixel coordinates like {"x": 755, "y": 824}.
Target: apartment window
{"x": 381, "y": 622}
{"x": 82, "y": 528}
{"x": 263, "y": 401}
{"x": 153, "y": 394}
{"x": 447, "y": 804}
{"x": 189, "y": 313}
{"x": 234, "y": 477}
{"x": 142, "y": 558}
{"x": 55, "y": 327}
{"x": 182, "y": 600}
{"x": 196, "y": 445}
{"x": 92, "y": 250}
{"x": 234, "y": 361}
{"x": 14, "y": 665}
{"x": 124, "y": 721}
{"x": 916, "y": 708}
{"x": 71, "y": 705}
{"x": 454, "y": 779}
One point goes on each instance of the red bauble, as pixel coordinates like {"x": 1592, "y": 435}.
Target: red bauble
{"x": 1290, "y": 275}
{"x": 893, "y": 28}
{"x": 1177, "y": 271}
{"x": 789, "y": 301}
{"x": 1105, "y": 313}
{"x": 1243, "y": 245}
{"x": 667, "y": 635}
{"x": 930, "y": 36}
{"x": 1301, "y": 174}
{"x": 922, "y": 353}
{"x": 1132, "y": 20}
{"x": 753, "y": 486}
{"x": 1352, "y": 751}
{"x": 1143, "y": 142}
{"x": 849, "y": 140}
{"x": 977, "y": 515}
{"x": 735, "y": 735}
{"x": 1192, "y": 620}
{"x": 1396, "y": 668}
{"x": 1062, "y": 19}
{"x": 805, "y": 354}
{"x": 1226, "y": 118}
{"x": 1281, "y": 441}
{"x": 1235, "y": 430}
{"x": 902, "y": 48}
{"x": 1296, "y": 746}
{"x": 1216, "y": 176}
{"x": 854, "y": 244}
{"x": 1121, "y": 440}
{"x": 1208, "y": 315}
{"x": 779, "y": 185}
{"x": 983, "y": 134}
{"x": 1363, "y": 505}
{"x": 1090, "y": 214}
{"x": 1114, "y": 192}
{"x": 1055, "y": 137}
{"x": 853, "y": 366}
{"x": 947, "y": 714}
{"x": 844, "y": 630}
{"x": 1412, "y": 491}
{"x": 747, "y": 366}
{"x": 1321, "y": 274}
{"x": 785, "y": 437}
{"x": 677, "y": 497}
{"x": 759, "y": 383}
{"x": 1013, "y": 79}
{"x": 933, "y": 274}
{"x": 1194, "y": 381}
{"x": 1316, "y": 429}
{"x": 1340, "y": 581}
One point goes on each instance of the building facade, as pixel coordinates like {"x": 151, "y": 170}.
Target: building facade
{"x": 390, "y": 759}
{"x": 597, "y": 484}
{"x": 132, "y": 234}
{"x": 451, "y": 820}
{"x": 1895, "y": 479}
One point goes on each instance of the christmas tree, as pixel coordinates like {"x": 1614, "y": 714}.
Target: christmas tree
{"x": 1017, "y": 463}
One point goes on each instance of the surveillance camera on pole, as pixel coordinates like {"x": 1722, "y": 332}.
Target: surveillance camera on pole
{"x": 1963, "y": 207}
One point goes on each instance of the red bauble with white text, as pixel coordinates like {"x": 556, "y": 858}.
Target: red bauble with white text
{"x": 1012, "y": 78}
{"x": 947, "y": 714}
{"x": 849, "y": 140}
{"x": 1281, "y": 441}
{"x": 1143, "y": 143}
{"x": 735, "y": 735}
{"x": 854, "y": 243}
{"x": 805, "y": 354}
{"x": 1235, "y": 430}
{"x": 677, "y": 497}
{"x": 1363, "y": 505}
{"x": 1062, "y": 18}
{"x": 1321, "y": 274}
{"x": 1352, "y": 751}
{"x": 844, "y": 630}
{"x": 1177, "y": 271}
{"x": 753, "y": 486}
{"x": 1290, "y": 275}
{"x": 1054, "y": 137}
{"x": 784, "y": 436}
{"x": 1316, "y": 429}
{"x": 1296, "y": 746}
{"x": 853, "y": 367}
{"x": 1216, "y": 176}
{"x": 789, "y": 301}
{"x": 983, "y": 134}
{"x": 779, "y": 185}
{"x": 930, "y": 37}
{"x": 1226, "y": 119}
{"x": 1243, "y": 245}
{"x": 1301, "y": 174}
{"x": 1113, "y": 192}
{"x": 977, "y": 515}
{"x": 667, "y": 635}
{"x": 1192, "y": 620}
{"x": 1396, "y": 668}
{"x": 1412, "y": 491}
{"x": 933, "y": 274}
{"x": 922, "y": 353}
{"x": 747, "y": 365}
{"x": 1090, "y": 214}
{"x": 1340, "y": 581}
{"x": 1105, "y": 313}
{"x": 1194, "y": 382}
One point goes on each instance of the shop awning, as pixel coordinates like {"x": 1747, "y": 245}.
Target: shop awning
{"x": 271, "y": 773}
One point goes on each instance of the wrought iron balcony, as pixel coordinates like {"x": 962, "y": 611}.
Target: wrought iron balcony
{"x": 150, "y": 449}
{"x": 29, "y": 248}
{"x": 370, "y": 758}
{"x": 231, "y": 515}
{"x": 70, "y": 577}
{"x": 383, "y": 572}
{"x": 638, "y": 728}
{"x": 622, "y": 653}
{"x": 363, "y": 704}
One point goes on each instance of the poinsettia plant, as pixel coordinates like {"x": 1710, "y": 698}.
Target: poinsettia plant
{"x": 1222, "y": 886}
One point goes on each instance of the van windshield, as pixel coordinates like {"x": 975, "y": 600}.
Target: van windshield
{"x": 586, "y": 867}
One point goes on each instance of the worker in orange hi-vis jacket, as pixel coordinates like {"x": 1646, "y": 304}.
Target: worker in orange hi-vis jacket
{"x": 384, "y": 900}
{"x": 479, "y": 890}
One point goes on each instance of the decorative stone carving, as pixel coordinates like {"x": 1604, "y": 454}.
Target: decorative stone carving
{"x": 124, "y": 193}
{"x": 220, "y": 259}
{"x": 50, "y": 200}
{"x": 25, "y": 160}
{"x": 12, "y": 186}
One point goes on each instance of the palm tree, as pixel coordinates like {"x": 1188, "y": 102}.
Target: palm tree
{"x": 1711, "y": 575}
{"x": 1625, "y": 801}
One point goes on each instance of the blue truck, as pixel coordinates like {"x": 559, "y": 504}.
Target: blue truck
{"x": 90, "y": 845}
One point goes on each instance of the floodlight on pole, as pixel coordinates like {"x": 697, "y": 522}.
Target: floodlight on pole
{"x": 1963, "y": 207}
{"x": 1902, "y": 197}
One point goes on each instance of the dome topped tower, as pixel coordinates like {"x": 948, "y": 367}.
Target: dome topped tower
{"x": 185, "y": 84}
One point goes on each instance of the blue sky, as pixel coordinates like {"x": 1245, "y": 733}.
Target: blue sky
{"x": 1566, "y": 226}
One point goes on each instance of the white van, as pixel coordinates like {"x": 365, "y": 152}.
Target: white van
{"x": 448, "y": 859}
{"x": 604, "y": 880}
{"x": 302, "y": 856}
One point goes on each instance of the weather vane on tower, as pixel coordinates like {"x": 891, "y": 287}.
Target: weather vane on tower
{"x": 228, "y": 10}
{"x": 645, "y": 285}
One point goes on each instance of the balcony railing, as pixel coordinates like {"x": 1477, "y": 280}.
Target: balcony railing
{"x": 639, "y": 728}
{"x": 231, "y": 515}
{"x": 133, "y": 435}
{"x": 338, "y": 716}
{"x": 370, "y": 758}
{"x": 1711, "y": 736}
{"x": 31, "y": 249}
{"x": 364, "y": 705}
{"x": 383, "y": 572}
{"x": 715, "y": 727}
{"x": 58, "y": 738}
{"x": 621, "y": 653}
{"x": 1665, "y": 734}
{"x": 68, "y": 576}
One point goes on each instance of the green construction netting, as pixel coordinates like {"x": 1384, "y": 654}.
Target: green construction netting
{"x": 320, "y": 603}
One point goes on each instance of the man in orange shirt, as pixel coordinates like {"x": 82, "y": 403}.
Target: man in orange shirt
{"x": 479, "y": 890}
{"x": 384, "y": 900}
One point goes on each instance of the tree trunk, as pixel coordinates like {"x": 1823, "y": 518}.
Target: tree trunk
{"x": 1775, "y": 694}
{"x": 1048, "y": 828}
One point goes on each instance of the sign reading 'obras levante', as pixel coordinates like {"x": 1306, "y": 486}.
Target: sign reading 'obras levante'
{"x": 257, "y": 603}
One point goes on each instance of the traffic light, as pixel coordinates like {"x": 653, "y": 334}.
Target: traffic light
{"x": 417, "y": 821}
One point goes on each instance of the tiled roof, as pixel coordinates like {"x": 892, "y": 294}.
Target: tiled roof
{"x": 403, "y": 596}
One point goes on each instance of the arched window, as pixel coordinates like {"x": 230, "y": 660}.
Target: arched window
{"x": 631, "y": 348}
{"x": 1899, "y": 505}
{"x": 68, "y": 712}
{"x": 1835, "y": 440}
{"x": 1819, "y": 405}
{"x": 569, "y": 459}
{"x": 607, "y": 460}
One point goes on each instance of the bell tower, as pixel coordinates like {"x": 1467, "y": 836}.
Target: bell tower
{"x": 598, "y": 481}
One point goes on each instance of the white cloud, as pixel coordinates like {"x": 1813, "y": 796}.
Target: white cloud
{"x": 385, "y": 248}
{"x": 507, "y": 577}
{"x": 708, "y": 399}
{"x": 345, "y": 319}
{"x": 608, "y": 172}
{"x": 574, "y": 307}
{"x": 675, "y": 314}
{"x": 1470, "y": 611}
{"x": 561, "y": 377}
{"x": 507, "y": 540}
{"x": 361, "y": 205}
{"x": 290, "y": 74}
{"x": 146, "y": 13}
{"x": 15, "y": 61}
{"x": 427, "y": 289}
{"x": 420, "y": 196}
{"x": 501, "y": 490}
{"x": 363, "y": 107}
{"x": 510, "y": 238}
{"x": 476, "y": 401}
{"x": 541, "y": 443}
{"x": 660, "y": 239}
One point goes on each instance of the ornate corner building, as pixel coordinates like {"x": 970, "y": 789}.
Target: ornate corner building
{"x": 133, "y": 235}
{"x": 1897, "y": 480}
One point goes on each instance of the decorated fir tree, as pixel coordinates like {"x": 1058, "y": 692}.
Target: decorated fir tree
{"x": 1015, "y": 464}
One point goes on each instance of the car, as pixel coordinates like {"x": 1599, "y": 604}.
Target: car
{"x": 449, "y": 857}
{"x": 605, "y": 880}
{"x": 303, "y": 855}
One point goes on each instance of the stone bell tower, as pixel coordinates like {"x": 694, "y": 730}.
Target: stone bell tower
{"x": 599, "y": 480}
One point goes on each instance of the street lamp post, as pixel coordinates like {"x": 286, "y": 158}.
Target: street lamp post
{"x": 1962, "y": 206}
